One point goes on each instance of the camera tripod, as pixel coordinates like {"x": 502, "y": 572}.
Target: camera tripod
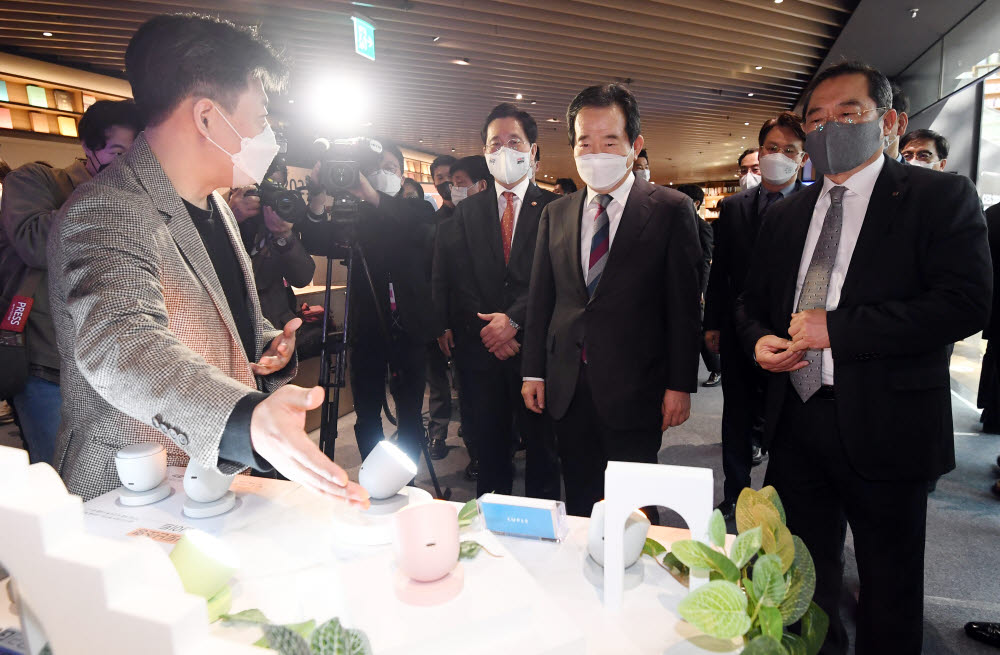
{"x": 335, "y": 377}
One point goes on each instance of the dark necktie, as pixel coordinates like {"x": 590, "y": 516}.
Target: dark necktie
{"x": 600, "y": 244}
{"x": 771, "y": 198}
{"x": 815, "y": 288}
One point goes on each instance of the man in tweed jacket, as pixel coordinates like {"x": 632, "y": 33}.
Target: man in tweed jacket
{"x": 159, "y": 326}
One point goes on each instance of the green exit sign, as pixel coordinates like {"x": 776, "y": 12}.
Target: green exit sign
{"x": 364, "y": 38}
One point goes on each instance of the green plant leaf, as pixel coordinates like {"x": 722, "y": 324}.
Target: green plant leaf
{"x": 285, "y": 641}
{"x": 764, "y": 645}
{"x": 717, "y": 529}
{"x": 814, "y": 626}
{"x": 653, "y": 548}
{"x": 801, "y": 584}
{"x": 751, "y": 597}
{"x": 700, "y": 556}
{"x": 469, "y": 549}
{"x": 303, "y": 629}
{"x": 677, "y": 569}
{"x": 718, "y": 609}
{"x": 745, "y": 547}
{"x": 253, "y": 616}
{"x": 468, "y": 514}
{"x": 770, "y": 622}
{"x": 768, "y": 581}
{"x": 744, "y": 509}
{"x": 328, "y": 639}
{"x": 776, "y": 539}
{"x": 793, "y": 644}
{"x": 356, "y": 643}
{"x": 771, "y": 494}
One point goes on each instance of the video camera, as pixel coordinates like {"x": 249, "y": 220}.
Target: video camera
{"x": 342, "y": 161}
{"x": 286, "y": 203}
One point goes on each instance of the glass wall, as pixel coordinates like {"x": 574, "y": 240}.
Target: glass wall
{"x": 989, "y": 142}
{"x": 971, "y": 48}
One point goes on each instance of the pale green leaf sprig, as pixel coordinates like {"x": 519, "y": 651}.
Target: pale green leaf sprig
{"x": 331, "y": 638}
{"x": 763, "y": 585}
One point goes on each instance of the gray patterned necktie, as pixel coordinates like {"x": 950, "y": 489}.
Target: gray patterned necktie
{"x": 808, "y": 380}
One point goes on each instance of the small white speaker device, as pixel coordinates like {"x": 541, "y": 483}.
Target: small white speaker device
{"x": 636, "y": 529}
{"x": 142, "y": 469}
{"x": 207, "y": 491}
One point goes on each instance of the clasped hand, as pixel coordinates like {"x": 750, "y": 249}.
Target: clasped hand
{"x": 498, "y": 335}
{"x": 808, "y": 331}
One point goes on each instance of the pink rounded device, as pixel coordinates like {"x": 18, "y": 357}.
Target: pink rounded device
{"x": 426, "y": 543}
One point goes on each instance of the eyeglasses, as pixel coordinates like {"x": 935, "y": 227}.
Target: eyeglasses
{"x": 789, "y": 151}
{"x": 513, "y": 144}
{"x": 925, "y": 156}
{"x": 843, "y": 117}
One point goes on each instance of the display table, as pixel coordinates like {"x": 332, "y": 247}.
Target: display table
{"x": 536, "y": 597}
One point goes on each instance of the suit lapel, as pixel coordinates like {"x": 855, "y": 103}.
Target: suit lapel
{"x": 181, "y": 227}
{"x": 224, "y": 213}
{"x": 486, "y": 236}
{"x": 889, "y": 189}
{"x": 630, "y": 227}
{"x": 573, "y": 223}
{"x": 527, "y": 219}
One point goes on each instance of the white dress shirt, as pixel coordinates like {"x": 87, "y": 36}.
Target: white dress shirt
{"x": 615, "y": 210}
{"x": 518, "y": 191}
{"x": 856, "y": 199}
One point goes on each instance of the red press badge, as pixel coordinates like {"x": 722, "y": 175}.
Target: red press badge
{"x": 17, "y": 314}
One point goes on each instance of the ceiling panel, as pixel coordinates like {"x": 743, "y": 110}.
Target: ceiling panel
{"x": 701, "y": 69}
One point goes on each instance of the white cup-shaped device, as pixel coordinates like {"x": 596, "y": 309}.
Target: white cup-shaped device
{"x": 386, "y": 470}
{"x": 141, "y": 466}
{"x": 636, "y": 528}
{"x": 204, "y": 485}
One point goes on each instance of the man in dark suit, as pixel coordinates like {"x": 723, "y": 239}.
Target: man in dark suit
{"x": 706, "y": 236}
{"x": 857, "y": 286}
{"x": 482, "y": 266}
{"x": 781, "y": 156}
{"x": 611, "y": 346}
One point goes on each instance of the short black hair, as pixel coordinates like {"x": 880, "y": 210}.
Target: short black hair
{"x": 748, "y": 151}
{"x": 940, "y": 143}
{"x": 785, "y": 119}
{"x": 900, "y": 101}
{"x": 411, "y": 182}
{"x": 692, "y": 191}
{"x": 103, "y": 115}
{"x": 4, "y": 169}
{"x": 475, "y": 167}
{"x": 443, "y": 160}
{"x": 567, "y": 184}
{"x": 605, "y": 96}
{"x": 642, "y": 153}
{"x": 508, "y": 110}
{"x": 878, "y": 84}
{"x": 172, "y": 57}
{"x": 393, "y": 149}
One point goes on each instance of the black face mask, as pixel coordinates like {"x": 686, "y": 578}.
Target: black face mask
{"x": 444, "y": 189}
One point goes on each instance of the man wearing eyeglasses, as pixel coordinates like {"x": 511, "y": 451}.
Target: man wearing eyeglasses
{"x": 481, "y": 269}
{"x": 779, "y": 161}
{"x": 925, "y": 148}
{"x": 857, "y": 286}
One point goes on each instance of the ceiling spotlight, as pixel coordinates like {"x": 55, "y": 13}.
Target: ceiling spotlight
{"x": 46, "y": 33}
{"x": 757, "y": 68}
{"x": 913, "y": 12}
{"x": 534, "y": 102}
{"x": 453, "y": 150}
{"x": 747, "y": 123}
{"x": 750, "y": 95}
{"x": 778, "y": 2}
{"x": 464, "y": 61}
{"x": 552, "y": 120}
{"x": 519, "y": 97}
{"x": 435, "y": 39}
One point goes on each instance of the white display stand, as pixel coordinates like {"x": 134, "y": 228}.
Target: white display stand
{"x": 84, "y": 594}
{"x": 627, "y": 485}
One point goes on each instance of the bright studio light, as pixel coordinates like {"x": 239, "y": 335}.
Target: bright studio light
{"x": 339, "y": 103}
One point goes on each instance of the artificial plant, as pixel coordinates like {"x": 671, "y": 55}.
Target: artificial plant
{"x": 760, "y": 589}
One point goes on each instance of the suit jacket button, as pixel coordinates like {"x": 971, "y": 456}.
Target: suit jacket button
{"x": 157, "y": 421}
{"x": 182, "y": 439}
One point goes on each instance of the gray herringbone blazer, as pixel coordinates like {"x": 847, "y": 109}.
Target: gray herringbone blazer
{"x": 149, "y": 348}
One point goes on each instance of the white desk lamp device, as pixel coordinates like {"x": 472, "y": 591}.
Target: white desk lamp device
{"x": 142, "y": 469}
{"x": 384, "y": 473}
{"x": 207, "y": 492}
{"x": 636, "y": 529}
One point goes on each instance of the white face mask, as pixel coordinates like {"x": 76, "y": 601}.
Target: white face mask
{"x": 385, "y": 181}
{"x": 642, "y": 174}
{"x": 250, "y": 164}
{"x": 602, "y": 170}
{"x": 459, "y": 193}
{"x": 749, "y": 181}
{"x": 507, "y": 165}
{"x": 777, "y": 168}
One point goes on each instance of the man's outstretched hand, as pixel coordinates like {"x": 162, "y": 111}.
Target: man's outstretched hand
{"x": 279, "y": 352}
{"x": 277, "y": 432}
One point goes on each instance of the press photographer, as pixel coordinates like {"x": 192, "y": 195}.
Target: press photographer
{"x": 279, "y": 260}
{"x": 390, "y": 320}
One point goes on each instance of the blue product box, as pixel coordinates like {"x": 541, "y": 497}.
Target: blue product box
{"x": 514, "y": 516}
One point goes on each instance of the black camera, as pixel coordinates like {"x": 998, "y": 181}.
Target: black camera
{"x": 342, "y": 161}
{"x": 286, "y": 203}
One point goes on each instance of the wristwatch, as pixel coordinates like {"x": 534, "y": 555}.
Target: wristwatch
{"x": 514, "y": 324}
